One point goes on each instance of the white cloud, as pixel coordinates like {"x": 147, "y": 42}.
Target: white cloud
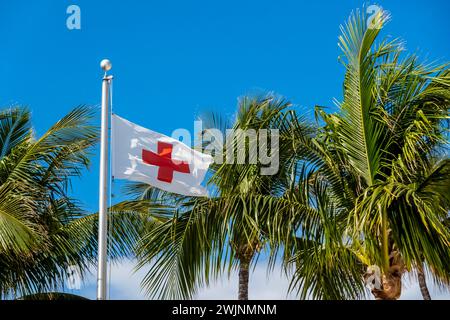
{"x": 125, "y": 284}
{"x": 411, "y": 290}
{"x": 262, "y": 286}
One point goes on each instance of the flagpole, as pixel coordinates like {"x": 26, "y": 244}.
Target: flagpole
{"x": 103, "y": 186}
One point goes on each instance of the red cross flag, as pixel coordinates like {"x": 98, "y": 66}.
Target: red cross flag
{"x": 142, "y": 155}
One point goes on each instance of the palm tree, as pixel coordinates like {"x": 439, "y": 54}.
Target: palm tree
{"x": 381, "y": 174}
{"x": 43, "y": 231}
{"x": 247, "y": 196}
{"x": 198, "y": 239}
{"x": 368, "y": 191}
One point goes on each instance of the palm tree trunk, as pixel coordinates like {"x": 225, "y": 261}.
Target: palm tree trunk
{"x": 391, "y": 287}
{"x": 391, "y": 280}
{"x": 245, "y": 255}
{"x": 243, "y": 280}
{"x": 423, "y": 284}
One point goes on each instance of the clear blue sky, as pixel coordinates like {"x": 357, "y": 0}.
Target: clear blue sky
{"x": 175, "y": 59}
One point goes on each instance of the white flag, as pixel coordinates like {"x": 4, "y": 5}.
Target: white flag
{"x": 139, "y": 154}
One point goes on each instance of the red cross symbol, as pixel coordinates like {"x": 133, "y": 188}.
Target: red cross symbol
{"x": 163, "y": 159}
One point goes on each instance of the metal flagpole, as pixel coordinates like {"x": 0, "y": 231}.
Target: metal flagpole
{"x": 103, "y": 186}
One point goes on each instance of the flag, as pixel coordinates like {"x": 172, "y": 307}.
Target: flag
{"x": 140, "y": 154}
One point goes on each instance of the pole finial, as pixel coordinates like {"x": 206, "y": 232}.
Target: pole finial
{"x": 106, "y": 65}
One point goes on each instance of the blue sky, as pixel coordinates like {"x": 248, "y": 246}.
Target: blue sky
{"x": 174, "y": 60}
